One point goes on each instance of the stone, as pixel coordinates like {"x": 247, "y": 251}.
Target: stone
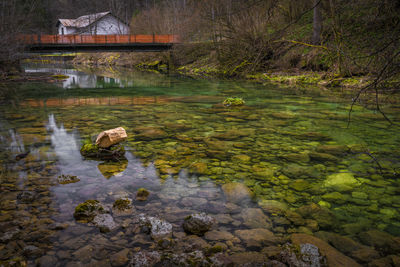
{"x": 26, "y": 197}
{"x": 380, "y": 240}
{"x": 198, "y": 223}
{"x": 255, "y": 218}
{"x": 157, "y": 228}
{"x": 335, "y": 197}
{"x": 365, "y": 254}
{"x": 67, "y": 179}
{"x": 241, "y": 158}
{"x": 193, "y": 201}
{"x": 194, "y": 242}
{"x": 84, "y": 254}
{"x": 322, "y": 157}
{"x": 234, "y": 134}
{"x": 325, "y": 218}
{"x": 296, "y": 171}
{"x": 122, "y": 204}
{"x": 299, "y": 185}
{"x": 236, "y": 192}
{"x": 194, "y": 258}
{"x": 310, "y": 254}
{"x": 337, "y": 150}
{"x": 273, "y": 207}
{"x": 333, "y": 257}
{"x": 120, "y": 258}
{"x": 305, "y": 255}
{"x": 86, "y": 211}
{"x": 297, "y": 157}
{"x": 257, "y": 237}
{"x": 216, "y": 235}
{"x": 248, "y": 259}
{"x": 198, "y": 168}
{"x": 104, "y": 222}
{"x": 46, "y": 261}
{"x": 151, "y": 133}
{"x": 344, "y": 244}
{"x": 32, "y": 251}
{"x": 142, "y": 194}
{"x": 341, "y": 182}
{"x": 145, "y": 259}
{"x": 111, "y": 137}
{"x": 116, "y": 152}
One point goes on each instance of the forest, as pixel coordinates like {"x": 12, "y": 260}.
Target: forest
{"x": 240, "y": 37}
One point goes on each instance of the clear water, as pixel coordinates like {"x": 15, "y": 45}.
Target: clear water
{"x": 285, "y": 145}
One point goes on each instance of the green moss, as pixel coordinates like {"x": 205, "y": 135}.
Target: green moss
{"x": 142, "y": 194}
{"x": 233, "y": 101}
{"x": 87, "y": 210}
{"x": 60, "y": 76}
{"x": 88, "y": 149}
{"x": 122, "y": 204}
{"x": 215, "y": 249}
{"x": 67, "y": 179}
{"x": 94, "y": 151}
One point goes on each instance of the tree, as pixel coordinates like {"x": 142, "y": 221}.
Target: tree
{"x": 317, "y": 23}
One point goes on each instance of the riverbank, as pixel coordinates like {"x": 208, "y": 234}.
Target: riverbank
{"x": 200, "y": 61}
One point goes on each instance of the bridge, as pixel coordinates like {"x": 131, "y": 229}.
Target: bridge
{"x": 36, "y": 43}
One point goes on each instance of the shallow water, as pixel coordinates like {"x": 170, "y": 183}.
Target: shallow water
{"x": 290, "y": 148}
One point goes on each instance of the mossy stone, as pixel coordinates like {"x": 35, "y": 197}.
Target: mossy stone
{"x": 122, "y": 204}
{"x": 233, "y": 101}
{"x": 142, "y": 194}
{"x": 90, "y": 150}
{"x": 87, "y": 210}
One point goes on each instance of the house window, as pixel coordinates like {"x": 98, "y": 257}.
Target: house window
{"x": 62, "y": 31}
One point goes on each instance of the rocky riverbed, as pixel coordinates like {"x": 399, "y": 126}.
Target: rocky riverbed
{"x": 279, "y": 180}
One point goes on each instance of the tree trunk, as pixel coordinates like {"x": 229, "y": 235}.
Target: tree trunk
{"x": 317, "y": 22}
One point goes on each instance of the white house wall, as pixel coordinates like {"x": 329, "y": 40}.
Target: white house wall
{"x": 67, "y": 30}
{"x": 107, "y": 25}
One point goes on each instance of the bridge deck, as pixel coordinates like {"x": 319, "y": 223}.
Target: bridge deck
{"x": 61, "y": 43}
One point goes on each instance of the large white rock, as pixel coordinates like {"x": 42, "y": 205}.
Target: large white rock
{"x": 111, "y": 137}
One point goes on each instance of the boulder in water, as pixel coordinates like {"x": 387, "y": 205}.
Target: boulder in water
{"x": 111, "y": 137}
{"x": 198, "y": 223}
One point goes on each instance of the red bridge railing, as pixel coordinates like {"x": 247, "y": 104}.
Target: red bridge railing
{"x": 99, "y": 39}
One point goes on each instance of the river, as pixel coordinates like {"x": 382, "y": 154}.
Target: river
{"x": 283, "y": 165}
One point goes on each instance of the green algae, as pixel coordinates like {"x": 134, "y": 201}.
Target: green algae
{"x": 233, "y": 101}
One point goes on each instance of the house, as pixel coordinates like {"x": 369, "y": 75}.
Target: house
{"x": 100, "y": 23}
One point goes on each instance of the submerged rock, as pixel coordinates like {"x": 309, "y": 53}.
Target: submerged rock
{"x": 142, "y": 194}
{"x": 198, "y": 223}
{"x": 236, "y": 192}
{"x": 255, "y": 218}
{"x": 67, "y": 179}
{"x": 258, "y": 237}
{"x": 111, "y": 137}
{"x": 325, "y": 218}
{"x": 150, "y": 133}
{"x": 145, "y": 259}
{"x": 94, "y": 151}
{"x": 104, "y": 222}
{"x": 123, "y": 207}
{"x": 157, "y": 228}
{"x": 333, "y": 257}
{"x": 343, "y": 181}
{"x": 308, "y": 256}
{"x": 86, "y": 211}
